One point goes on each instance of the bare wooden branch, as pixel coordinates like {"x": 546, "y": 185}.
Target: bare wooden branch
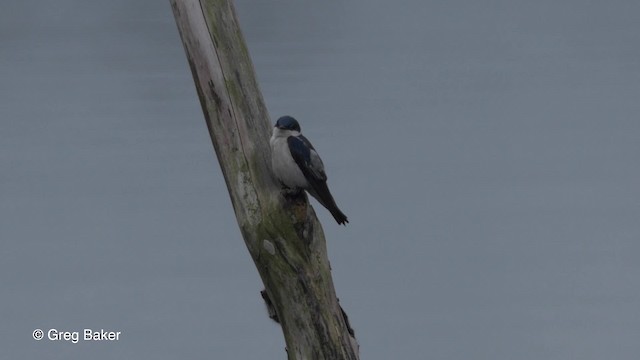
{"x": 283, "y": 235}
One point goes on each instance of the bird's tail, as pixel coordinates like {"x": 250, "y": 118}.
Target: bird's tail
{"x": 340, "y": 217}
{"x": 322, "y": 194}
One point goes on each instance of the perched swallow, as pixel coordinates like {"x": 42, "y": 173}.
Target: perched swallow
{"x": 297, "y": 165}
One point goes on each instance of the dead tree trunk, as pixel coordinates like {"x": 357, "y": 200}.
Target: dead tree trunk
{"x": 283, "y": 236}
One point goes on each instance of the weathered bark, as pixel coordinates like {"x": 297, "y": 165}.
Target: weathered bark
{"x": 283, "y": 235}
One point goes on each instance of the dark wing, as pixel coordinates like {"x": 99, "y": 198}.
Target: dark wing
{"x": 312, "y": 168}
{"x": 307, "y": 159}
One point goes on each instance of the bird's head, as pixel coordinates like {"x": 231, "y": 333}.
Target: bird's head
{"x": 288, "y": 123}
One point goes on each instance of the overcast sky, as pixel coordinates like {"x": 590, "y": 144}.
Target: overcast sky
{"x": 486, "y": 153}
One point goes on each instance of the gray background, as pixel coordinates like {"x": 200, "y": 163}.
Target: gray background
{"x": 486, "y": 153}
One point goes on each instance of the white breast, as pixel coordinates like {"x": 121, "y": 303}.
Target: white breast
{"x": 283, "y": 166}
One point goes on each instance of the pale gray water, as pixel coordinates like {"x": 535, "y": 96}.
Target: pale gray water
{"x": 486, "y": 154}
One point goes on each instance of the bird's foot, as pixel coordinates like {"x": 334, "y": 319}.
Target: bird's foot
{"x": 289, "y": 192}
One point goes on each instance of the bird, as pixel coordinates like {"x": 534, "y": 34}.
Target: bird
{"x": 297, "y": 165}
